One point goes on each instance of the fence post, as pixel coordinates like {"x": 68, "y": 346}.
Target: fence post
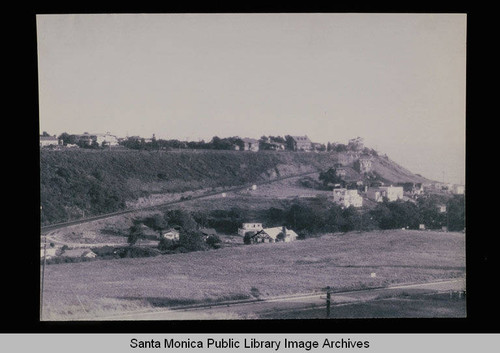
{"x": 328, "y": 301}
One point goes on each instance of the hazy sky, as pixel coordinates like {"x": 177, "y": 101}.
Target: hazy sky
{"x": 397, "y": 80}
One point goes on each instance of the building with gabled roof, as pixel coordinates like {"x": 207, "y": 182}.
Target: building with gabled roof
{"x": 274, "y": 234}
{"x": 250, "y": 144}
{"x": 302, "y": 143}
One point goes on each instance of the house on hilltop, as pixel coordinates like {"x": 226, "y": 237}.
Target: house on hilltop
{"x": 250, "y": 144}
{"x": 302, "y": 143}
{"x": 46, "y": 141}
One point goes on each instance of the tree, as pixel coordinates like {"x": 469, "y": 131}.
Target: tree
{"x": 290, "y": 143}
{"x": 135, "y": 233}
{"x": 213, "y": 241}
{"x": 191, "y": 240}
{"x": 247, "y": 239}
{"x": 158, "y": 223}
{"x": 181, "y": 218}
{"x": 456, "y": 213}
{"x": 330, "y": 177}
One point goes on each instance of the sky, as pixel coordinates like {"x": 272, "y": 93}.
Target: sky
{"x": 396, "y": 80}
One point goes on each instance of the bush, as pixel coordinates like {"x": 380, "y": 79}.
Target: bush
{"x": 214, "y": 241}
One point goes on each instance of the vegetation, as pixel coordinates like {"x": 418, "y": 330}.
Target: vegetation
{"x": 342, "y": 261}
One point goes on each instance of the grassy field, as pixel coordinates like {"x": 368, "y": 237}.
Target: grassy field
{"x": 342, "y": 261}
{"x": 405, "y": 306}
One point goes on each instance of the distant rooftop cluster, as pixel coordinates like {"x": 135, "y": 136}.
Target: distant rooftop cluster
{"x": 270, "y": 143}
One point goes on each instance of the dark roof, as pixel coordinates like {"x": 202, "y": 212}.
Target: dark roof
{"x": 301, "y": 138}
{"x": 208, "y": 231}
{"x": 249, "y": 140}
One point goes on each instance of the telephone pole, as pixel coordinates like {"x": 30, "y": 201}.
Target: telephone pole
{"x": 43, "y": 269}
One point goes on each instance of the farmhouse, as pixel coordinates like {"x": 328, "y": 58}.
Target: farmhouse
{"x": 249, "y": 227}
{"x": 250, "y": 144}
{"x": 346, "y": 198}
{"x": 302, "y": 143}
{"x": 274, "y": 234}
{"x": 208, "y": 232}
{"x": 49, "y": 141}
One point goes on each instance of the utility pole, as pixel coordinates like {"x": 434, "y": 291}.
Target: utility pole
{"x": 328, "y": 301}
{"x": 43, "y": 269}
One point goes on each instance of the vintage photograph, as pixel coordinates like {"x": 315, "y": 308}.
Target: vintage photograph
{"x": 252, "y": 166}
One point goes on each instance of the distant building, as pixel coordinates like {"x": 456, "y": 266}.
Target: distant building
{"x": 276, "y": 146}
{"x": 374, "y": 194}
{"x": 249, "y": 227}
{"x": 274, "y": 234}
{"x": 302, "y": 143}
{"x": 458, "y": 189}
{"x": 393, "y": 193}
{"x": 364, "y": 165}
{"x": 49, "y": 141}
{"x": 106, "y": 140}
{"x": 207, "y": 232}
{"x": 250, "y": 144}
{"x": 441, "y": 208}
{"x": 346, "y": 198}
{"x": 49, "y": 252}
{"x": 171, "y": 234}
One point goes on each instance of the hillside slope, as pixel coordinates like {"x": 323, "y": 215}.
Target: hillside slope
{"x": 78, "y": 183}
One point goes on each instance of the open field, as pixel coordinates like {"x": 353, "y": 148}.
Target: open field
{"x": 88, "y": 290}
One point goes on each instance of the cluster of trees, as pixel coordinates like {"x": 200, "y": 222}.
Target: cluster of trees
{"x": 217, "y": 143}
{"x": 321, "y": 216}
{"x": 190, "y": 236}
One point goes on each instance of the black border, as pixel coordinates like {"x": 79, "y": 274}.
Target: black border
{"x": 25, "y": 282}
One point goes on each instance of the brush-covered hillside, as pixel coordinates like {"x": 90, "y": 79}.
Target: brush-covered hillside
{"x": 82, "y": 183}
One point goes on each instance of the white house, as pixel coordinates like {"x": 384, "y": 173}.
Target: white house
{"x": 346, "y": 198}
{"x": 106, "y": 139}
{"x": 49, "y": 141}
{"x": 171, "y": 234}
{"x": 393, "y": 193}
{"x": 249, "y": 227}
{"x": 272, "y": 235}
{"x": 250, "y": 144}
{"x": 302, "y": 143}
